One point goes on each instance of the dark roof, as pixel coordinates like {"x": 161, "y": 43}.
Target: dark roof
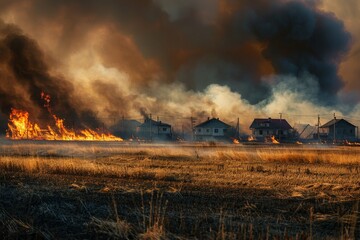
{"x": 272, "y": 124}
{"x": 335, "y": 121}
{"x": 213, "y": 123}
{"x": 154, "y": 123}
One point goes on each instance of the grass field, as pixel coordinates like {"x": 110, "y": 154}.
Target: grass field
{"x": 67, "y": 190}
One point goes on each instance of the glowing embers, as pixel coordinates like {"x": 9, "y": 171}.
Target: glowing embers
{"x": 20, "y": 127}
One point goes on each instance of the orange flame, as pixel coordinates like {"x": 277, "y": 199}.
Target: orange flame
{"x": 20, "y": 127}
{"x": 236, "y": 141}
{"x": 273, "y": 140}
{"x": 251, "y": 138}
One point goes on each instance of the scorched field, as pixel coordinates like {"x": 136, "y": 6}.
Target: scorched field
{"x": 119, "y": 190}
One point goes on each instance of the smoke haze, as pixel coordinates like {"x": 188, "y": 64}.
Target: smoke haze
{"x": 176, "y": 59}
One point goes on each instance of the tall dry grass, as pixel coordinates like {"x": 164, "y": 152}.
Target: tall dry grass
{"x": 239, "y": 166}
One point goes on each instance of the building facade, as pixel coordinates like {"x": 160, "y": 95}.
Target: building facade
{"x": 154, "y": 130}
{"x": 267, "y": 127}
{"x": 339, "y": 130}
{"x": 213, "y": 130}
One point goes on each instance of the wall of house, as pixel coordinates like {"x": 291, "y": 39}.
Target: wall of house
{"x": 163, "y": 130}
{"x": 216, "y": 132}
{"x": 268, "y": 132}
{"x": 343, "y": 131}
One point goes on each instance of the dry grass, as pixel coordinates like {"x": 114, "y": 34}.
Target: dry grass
{"x": 280, "y": 168}
{"x": 307, "y": 177}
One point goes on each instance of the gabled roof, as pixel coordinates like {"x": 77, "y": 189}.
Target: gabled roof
{"x": 154, "y": 123}
{"x": 336, "y": 121}
{"x": 270, "y": 123}
{"x": 213, "y": 123}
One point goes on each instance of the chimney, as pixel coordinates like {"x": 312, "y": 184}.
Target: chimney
{"x": 208, "y": 118}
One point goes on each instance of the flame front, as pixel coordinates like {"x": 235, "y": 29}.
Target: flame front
{"x": 251, "y": 138}
{"x": 273, "y": 140}
{"x": 20, "y": 127}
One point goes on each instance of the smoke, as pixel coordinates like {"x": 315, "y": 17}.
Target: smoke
{"x": 197, "y": 58}
{"x": 300, "y": 39}
{"x": 25, "y": 75}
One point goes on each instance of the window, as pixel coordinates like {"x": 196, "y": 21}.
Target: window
{"x": 207, "y": 130}
{"x": 199, "y": 130}
{"x": 216, "y": 130}
{"x": 164, "y": 129}
{"x": 260, "y": 132}
{"x": 268, "y": 124}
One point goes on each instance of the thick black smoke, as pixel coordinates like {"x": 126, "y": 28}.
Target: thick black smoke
{"x": 243, "y": 41}
{"x": 300, "y": 39}
{"x": 25, "y": 75}
{"x": 297, "y": 37}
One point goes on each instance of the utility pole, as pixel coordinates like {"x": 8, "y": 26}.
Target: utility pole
{"x": 150, "y": 127}
{"x": 334, "y": 128}
{"x": 103, "y": 131}
{"x": 237, "y": 134}
{"x": 192, "y": 121}
{"x": 318, "y": 128}
{"x": 280, "y": 132}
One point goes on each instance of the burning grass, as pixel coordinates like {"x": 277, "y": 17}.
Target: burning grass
{"x": 179, "y": 191}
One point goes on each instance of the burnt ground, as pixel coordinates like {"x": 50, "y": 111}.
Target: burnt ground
{"x": 82, "y": 207}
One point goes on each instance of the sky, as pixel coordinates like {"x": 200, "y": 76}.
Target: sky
{"x": 103, "y": 60}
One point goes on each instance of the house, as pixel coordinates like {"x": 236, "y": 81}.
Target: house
{"x": 268, "y": 127}
{"x": 213, "y": 130}
{"x": 339, "y": 130}
{"x": 125, "y": 128}
{"x": 154, "y": 130}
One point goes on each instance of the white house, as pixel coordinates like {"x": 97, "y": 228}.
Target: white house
{"x": 212, "y": 130}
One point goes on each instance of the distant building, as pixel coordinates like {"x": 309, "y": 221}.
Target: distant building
{"x": 126, "y": 128}
{"x": 343, "y": 130}
{"x": 213, "y": 130}
{"x": 267, "y": 127}
{"x": 154, "y": 130}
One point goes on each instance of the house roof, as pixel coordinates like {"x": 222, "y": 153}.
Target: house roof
{"x": 270, "y": 123}
{"x": 335, "y": 121}
{"x": 154, "y": 123}
{"x": 213, "y": 123}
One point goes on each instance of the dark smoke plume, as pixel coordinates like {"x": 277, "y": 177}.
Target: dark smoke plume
{"x": 245, "y": 41}
{"x": 299, "y": 39}
{"x": 24, "y": 76}
{"x": 237, "y": 45}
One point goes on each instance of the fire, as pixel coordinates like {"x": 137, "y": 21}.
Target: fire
{"x": 251, "y": 138}
{"x": 273, "y": 140}
{"x": 236, "y": 141}
{"x": 20, "y": 127}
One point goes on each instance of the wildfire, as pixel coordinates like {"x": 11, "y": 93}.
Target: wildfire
{"x": 251, "y": 138}
{"x": 236, "y": 141}
{"x": 273, "y": 140}
{"x": 20, "y": 127}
